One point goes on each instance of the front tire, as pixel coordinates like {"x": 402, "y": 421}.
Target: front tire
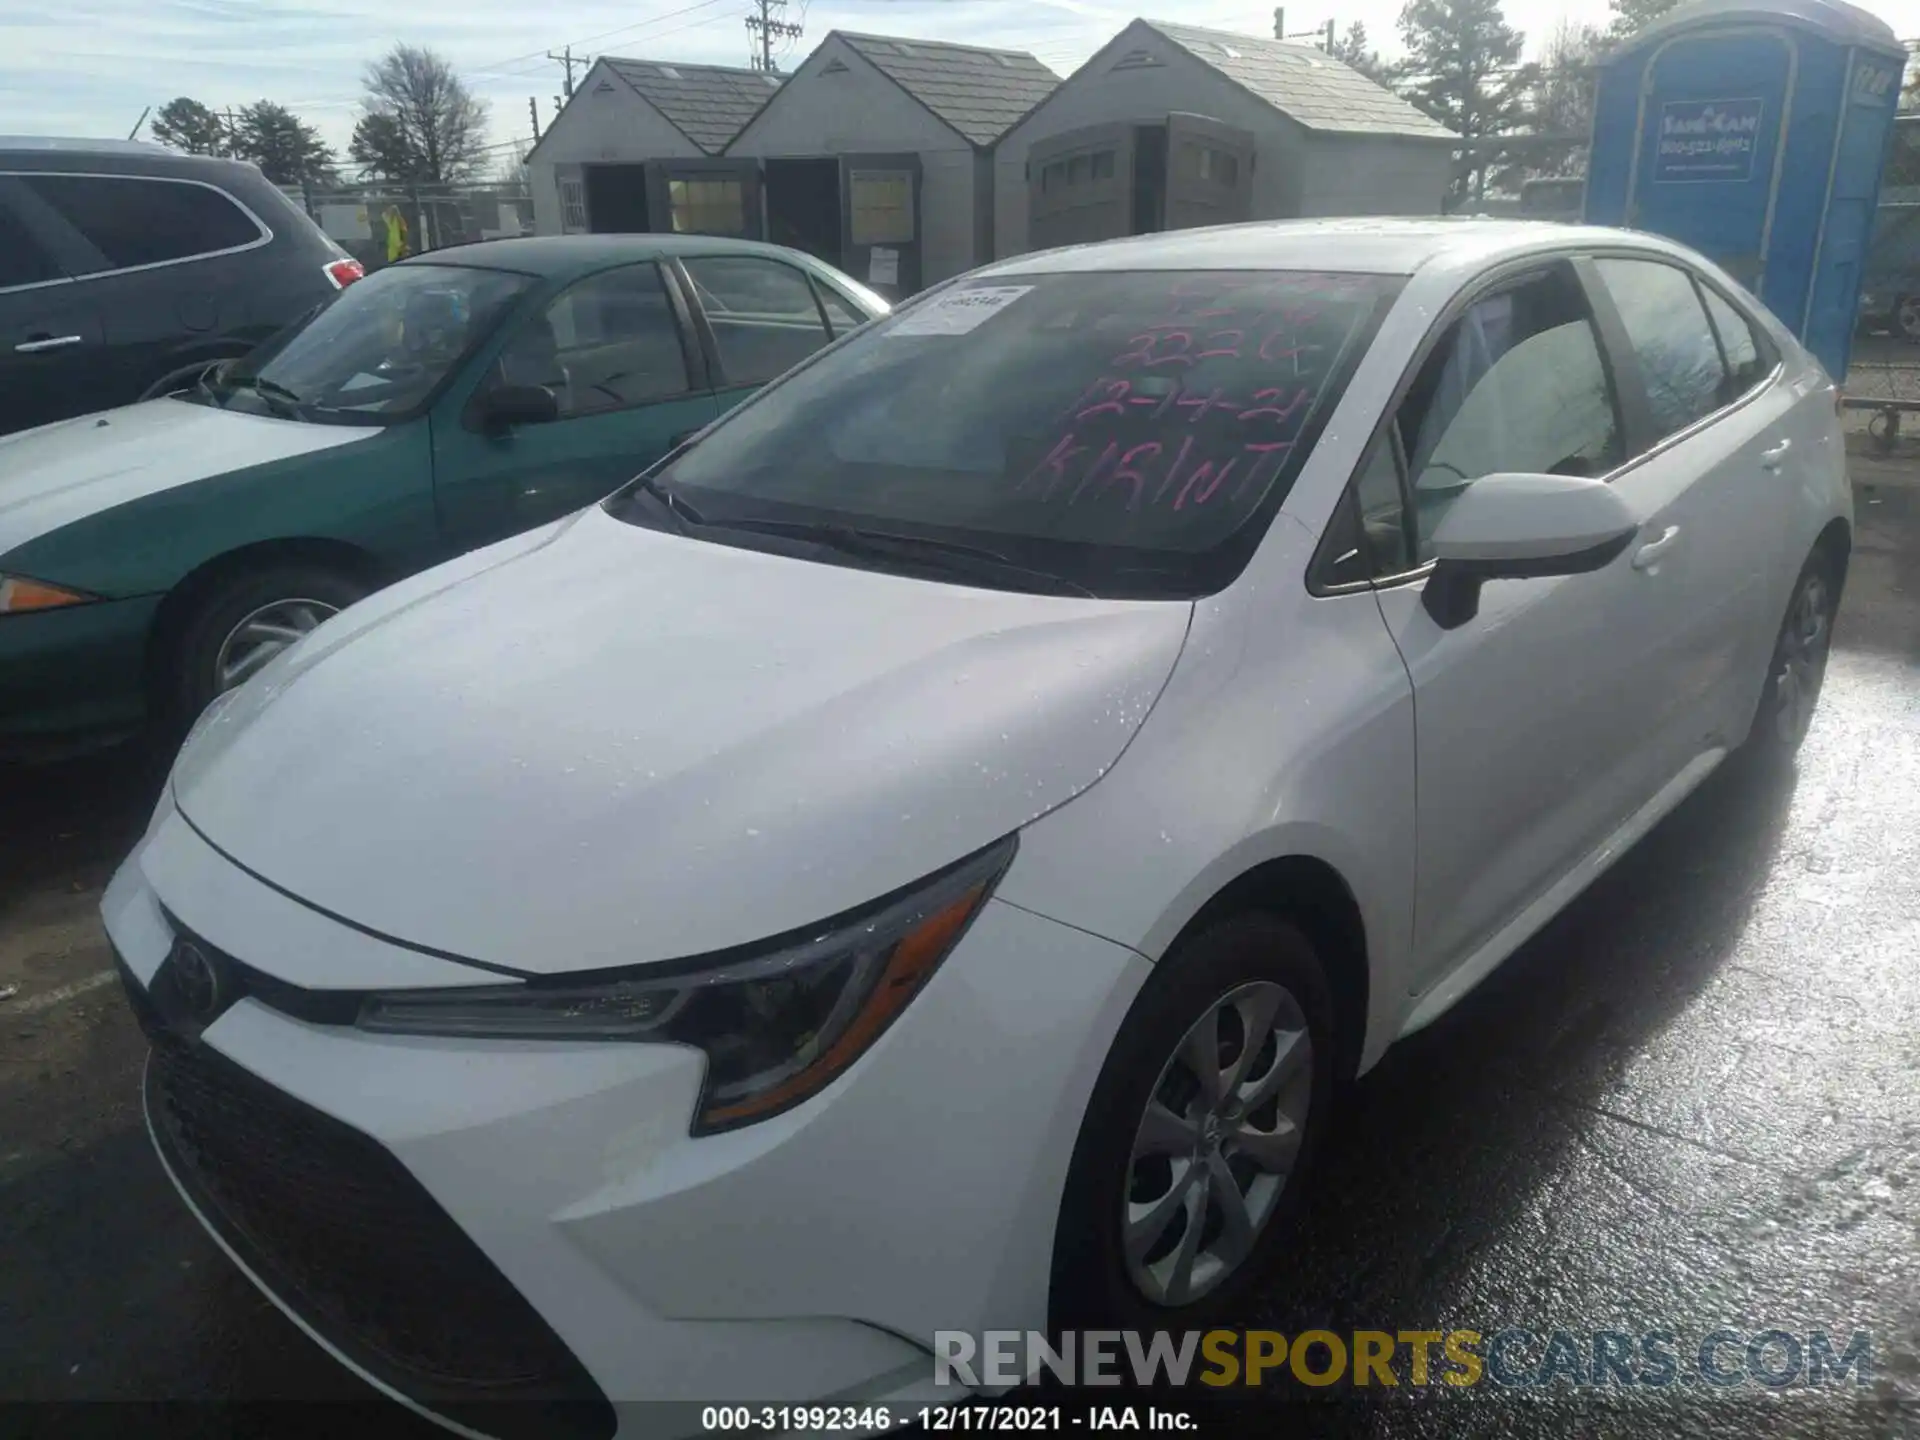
{"x": 243, "y": 623}
{"x": 1200, "y": 1134}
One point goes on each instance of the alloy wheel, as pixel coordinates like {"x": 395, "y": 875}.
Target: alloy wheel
{"x": 262, "y": 635}
{"x": 1214, "y": 1150}
{"x": 1800, "y": 658}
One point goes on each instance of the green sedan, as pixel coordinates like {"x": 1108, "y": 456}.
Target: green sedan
{"x": 153, "y": 556}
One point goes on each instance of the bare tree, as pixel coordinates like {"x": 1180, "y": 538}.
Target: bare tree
{"x": 1562, "y": 99}
{"x": 442, "y": 124}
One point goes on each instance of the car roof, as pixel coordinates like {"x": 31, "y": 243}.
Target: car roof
{"x": 561, "y": 255}
{"x": 1367, "y": 245}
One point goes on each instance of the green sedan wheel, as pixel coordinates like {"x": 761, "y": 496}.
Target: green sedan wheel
{"x": 241, "y": 625}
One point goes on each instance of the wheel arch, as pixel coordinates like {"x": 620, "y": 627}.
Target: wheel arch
{"x": 1314, "y": 895}
{"x": 193, "y": 588}
{"x": 1835, "y": 542}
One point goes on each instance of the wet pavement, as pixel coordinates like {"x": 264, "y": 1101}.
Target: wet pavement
{"x": 1692, "y": 1103}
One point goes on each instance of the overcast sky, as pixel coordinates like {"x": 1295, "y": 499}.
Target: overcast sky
{"x": 87, "y": 67}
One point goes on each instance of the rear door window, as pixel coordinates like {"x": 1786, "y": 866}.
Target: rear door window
{"x": 763, "y": 314}
{"x": 1679, "y": 357}
{"x": 1749, "y": 355}
{"x": 22, "y": 260}
{"x": 840, "y": 311}
{"x": 136, "y": 221}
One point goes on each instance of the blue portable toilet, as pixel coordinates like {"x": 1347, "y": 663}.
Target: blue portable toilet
{"x": 1755, "y": 131}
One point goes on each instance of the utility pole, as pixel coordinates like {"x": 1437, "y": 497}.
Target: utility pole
{"x": 565, "y": 58}
{"x": 533, "y": 114}
{"x": 1279, "y": 22}
{"x": 233, "y": 135}
{"x": 766, "y": 28}
{"x": 1329, "y": 45}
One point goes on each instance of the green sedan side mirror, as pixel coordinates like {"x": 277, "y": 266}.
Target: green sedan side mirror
{"x": 511, "y": 405}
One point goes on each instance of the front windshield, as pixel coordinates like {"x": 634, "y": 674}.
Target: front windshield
{"x": 380, "y": 350}
{"x": 1131, "y": 433}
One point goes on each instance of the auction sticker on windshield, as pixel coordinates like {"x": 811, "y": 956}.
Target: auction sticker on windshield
{"x": 959, "y": 312}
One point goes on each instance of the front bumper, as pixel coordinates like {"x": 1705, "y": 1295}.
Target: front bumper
{"x": 73, "y": 675}
{"x": 810, "y": 1257}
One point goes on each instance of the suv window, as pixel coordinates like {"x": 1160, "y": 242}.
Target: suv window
{"x": 1679, "y": 357}
{"x": 134, "y": 221}
{"x": 608, "y": 343}
{"x": 22, "y": 261}
{"x": 764, "y": 317}
{"x": 1748, "y": 353}
{"x": 1517, "y": 384}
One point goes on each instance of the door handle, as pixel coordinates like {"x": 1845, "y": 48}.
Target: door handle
{"x": 1770, "y": 459}
{"x": 52, "y": 342}
{"x": 1648, "y": 555}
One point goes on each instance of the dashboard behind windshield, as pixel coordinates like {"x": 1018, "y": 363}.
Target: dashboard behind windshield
{"x": 1131, "y": 433}
{"x": 381, "y": 350}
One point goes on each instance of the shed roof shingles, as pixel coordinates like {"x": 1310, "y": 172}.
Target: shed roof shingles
{"x": 980, "y": 93}
{"x": 1310, "y": 86}
{"x": 709, "y": 104}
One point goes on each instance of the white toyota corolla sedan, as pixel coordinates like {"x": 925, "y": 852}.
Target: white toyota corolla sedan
{"x": 926, "y": 855}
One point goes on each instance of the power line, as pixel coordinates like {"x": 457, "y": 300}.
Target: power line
{"x": 497, "y": 67}
{"x": 766, "y": 29}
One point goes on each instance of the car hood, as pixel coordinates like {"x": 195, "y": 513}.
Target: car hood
{"x": 607, "y": 745}
{"x": 63, "y": 472}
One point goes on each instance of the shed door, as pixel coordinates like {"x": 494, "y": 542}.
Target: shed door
{"x": 706, "y": 197}
{"x": 1713, "y": 109}
{"x": 571, "y": 182}
{"x": 1080, "y": 187}
{"x": 880, "y": 222}
{"x": 1209, "y": 172}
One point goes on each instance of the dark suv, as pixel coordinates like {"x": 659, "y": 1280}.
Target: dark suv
{"x": 125, "y": 269}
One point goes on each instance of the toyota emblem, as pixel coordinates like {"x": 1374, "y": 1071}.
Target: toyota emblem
{"x": 198, "y": 979}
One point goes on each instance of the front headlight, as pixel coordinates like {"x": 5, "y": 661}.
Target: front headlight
{"x": 776, "y": 1023}
{"x": 18, "y": 595}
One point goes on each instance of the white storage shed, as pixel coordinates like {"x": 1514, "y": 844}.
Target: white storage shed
{"x": 1169, "y": 126}
{"x": 638, "y": 148}
{"x": 877, "y": 154}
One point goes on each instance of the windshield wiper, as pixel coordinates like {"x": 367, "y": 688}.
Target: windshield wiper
{"x": 278, "y": 397}
{"x": 684, "y": 516}
{"x": 956, "y": 557}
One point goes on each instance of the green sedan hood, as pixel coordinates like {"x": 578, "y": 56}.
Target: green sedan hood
{"x": 57, "y": 474}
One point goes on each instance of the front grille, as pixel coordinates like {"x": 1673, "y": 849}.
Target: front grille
{"x": 339, "y": 1230}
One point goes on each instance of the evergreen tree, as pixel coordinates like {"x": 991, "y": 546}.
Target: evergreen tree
{"x": 1463, "y": 68}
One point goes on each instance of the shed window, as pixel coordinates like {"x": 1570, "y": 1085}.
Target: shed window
{"x": 882, "y": 206}
{"x": 1103, "y": 165}
{"x": 1216, "y": 165}
{"x": 708, "y": 207}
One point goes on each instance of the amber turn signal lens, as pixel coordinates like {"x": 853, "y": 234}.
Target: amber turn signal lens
{"x": 17, "y": 596}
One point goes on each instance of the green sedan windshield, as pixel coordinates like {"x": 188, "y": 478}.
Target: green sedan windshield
{"x": 380, "y": 351}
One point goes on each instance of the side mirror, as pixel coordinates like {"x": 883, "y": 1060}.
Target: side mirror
{"x": 1521, "y": 527}
{"x": 506, "y": 406}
